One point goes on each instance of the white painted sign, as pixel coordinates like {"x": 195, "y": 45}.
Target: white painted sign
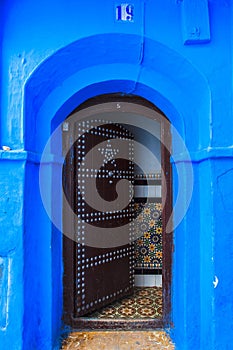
{"x": 125, "y": 12}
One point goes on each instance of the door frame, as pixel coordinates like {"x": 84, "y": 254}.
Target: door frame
{"x": 69, "y": 252}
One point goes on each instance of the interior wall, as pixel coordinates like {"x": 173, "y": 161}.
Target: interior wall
{"x": 150, "y": 163}
{"x": 148, "y": 247}
{"x": 53, "y": 58}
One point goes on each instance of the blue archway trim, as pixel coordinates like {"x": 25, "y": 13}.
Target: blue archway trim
{"x": 173, "y": 79}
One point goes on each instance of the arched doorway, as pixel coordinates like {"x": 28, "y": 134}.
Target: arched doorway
{"x": 122, "y": 244}
{"x": 51, "y": 96}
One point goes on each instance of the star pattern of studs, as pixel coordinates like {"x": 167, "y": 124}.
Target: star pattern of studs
{"x": 108, "y": 152}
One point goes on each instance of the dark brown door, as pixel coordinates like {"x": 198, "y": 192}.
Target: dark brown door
{"x": 104, "y": 255}
{"x": 98, "y": 249}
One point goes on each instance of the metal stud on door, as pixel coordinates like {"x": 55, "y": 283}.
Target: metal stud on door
{"x": 104, "y": 265}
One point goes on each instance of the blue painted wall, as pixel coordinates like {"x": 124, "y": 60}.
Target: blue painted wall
{"x": 57, "y": 54}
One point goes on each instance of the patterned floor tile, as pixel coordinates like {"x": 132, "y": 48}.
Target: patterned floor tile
{"x": 146, "y": 302}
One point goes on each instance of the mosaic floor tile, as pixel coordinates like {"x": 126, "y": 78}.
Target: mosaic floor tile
{"x": 123, "y": 340}
{"x": 146, "y": 302}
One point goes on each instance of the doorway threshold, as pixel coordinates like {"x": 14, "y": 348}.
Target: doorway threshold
{"x": 123, "y": 340}
{"x": 84, "y": 323}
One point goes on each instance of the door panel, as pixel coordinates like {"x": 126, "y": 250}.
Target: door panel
{"x": 107, "y": 282}
{"x": 104, "y": 268}
{"x": 86, "y": 284}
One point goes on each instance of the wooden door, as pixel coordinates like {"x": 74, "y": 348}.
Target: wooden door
{"x": 104, "y": 251}
{"x": 93, "y": 283}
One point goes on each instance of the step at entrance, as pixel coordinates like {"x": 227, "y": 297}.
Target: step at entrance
{"x": 123, "y": 340}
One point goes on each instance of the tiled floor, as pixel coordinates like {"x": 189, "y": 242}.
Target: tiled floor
{"x": 122, "y": 340}
{"x": 146, "y": 302}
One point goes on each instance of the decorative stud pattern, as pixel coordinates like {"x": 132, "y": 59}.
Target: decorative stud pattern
{"x": 113, "y": 169}
{"x": 108, "y": 152}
